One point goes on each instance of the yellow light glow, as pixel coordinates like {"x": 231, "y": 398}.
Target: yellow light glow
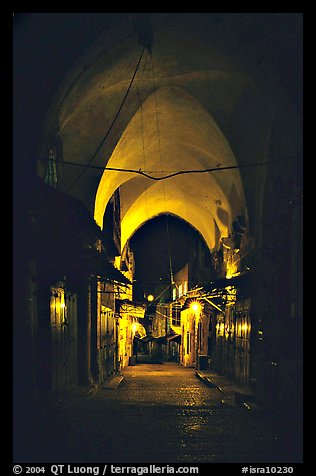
{"x": 195, "y": 306}
{"x": 134, "y": 327}
{"x": 150, "y": 297}
{"x": 231, "y": 269}
{"x": 220, "y": 327}
{"x": 171, "y": 195}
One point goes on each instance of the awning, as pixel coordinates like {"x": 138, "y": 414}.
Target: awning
{"x": 143, "y": 339}
{"x": 176, "y": 337}
{"x": 131, "y": 308}
{"x": 100, "y": 266}
{"x": 241, "y": 280}
{"x": 113, "y": 274}
{"x": 163, "y": 339}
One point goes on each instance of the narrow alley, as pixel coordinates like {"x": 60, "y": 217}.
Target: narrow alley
{"x": 158, "y": 238}
{"x": 158, "y": 413}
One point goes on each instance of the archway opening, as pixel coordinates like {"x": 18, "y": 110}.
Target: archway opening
{"x": 162, "y": 247}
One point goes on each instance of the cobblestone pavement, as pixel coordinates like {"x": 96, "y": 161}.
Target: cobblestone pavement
{"x": 159, "y": 413}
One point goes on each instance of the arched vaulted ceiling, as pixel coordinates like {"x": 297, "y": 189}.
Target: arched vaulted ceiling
{"x": 182, "y": 111}
{"x": 170, "y": 132}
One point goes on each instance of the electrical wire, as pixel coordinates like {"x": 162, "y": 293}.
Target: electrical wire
{"x": 161, "y": 165}
{"x": 151, "y": 177}
{"x": 143, "y": 139}
{"x": 156, "y": 299}
{"x": 169, "y": 252}
{"x": 87, "y": 66}
{"x": 111, "y": 126}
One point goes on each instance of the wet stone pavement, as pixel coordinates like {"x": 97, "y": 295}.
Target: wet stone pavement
{"x": 159, "y": 413}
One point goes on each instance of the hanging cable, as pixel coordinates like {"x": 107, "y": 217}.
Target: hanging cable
{"x": 156, "y": 299}
{"x": 173, "y": 174}
{"x": 169, "y": 252}
{"x": 111, "y": 126}
{"x": 161, "y": 165}
{"x": 143, "y": 143}
{"x": 156, "y": 112}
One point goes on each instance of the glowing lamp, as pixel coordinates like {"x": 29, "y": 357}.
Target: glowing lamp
{"x": 150, "y": 297}
{"x": 195, "y": 306}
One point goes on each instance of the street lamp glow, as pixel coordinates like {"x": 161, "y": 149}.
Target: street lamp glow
{"x": 150, "y": 297}
{"x": 195, "y": 306}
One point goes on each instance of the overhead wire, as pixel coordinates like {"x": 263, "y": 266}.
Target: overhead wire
{"x": 169, "y": 175}
{"x": 144, "y": 148}
{"x": 86, "y": 166}
{"x": 161, "y": 165}
{"x": 142, "y": 132}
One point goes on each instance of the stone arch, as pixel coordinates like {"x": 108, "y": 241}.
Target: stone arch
{"x": 189, "y": 140}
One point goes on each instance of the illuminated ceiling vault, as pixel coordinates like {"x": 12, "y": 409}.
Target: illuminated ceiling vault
{"x": 179, "y": 114}
{"x": 188, "y": 139}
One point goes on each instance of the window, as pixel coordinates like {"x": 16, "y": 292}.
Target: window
{"x": 175, "y": 317}
{"x": 174, "y": 294}
{"x": 106, "y": 325}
